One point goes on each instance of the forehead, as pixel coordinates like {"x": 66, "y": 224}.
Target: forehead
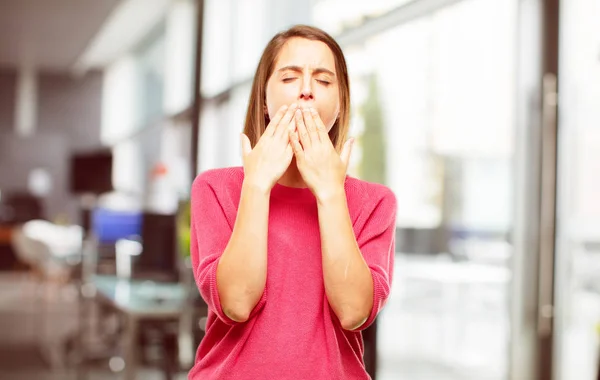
{"x": 305, "y": 53}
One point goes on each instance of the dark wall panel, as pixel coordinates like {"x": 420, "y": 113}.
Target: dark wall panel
{"x": 8, "y": 89}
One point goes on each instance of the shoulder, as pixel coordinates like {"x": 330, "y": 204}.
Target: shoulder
{"x": 373, "y": 206}
{"x": 368, "y": 193}
{"x": 220, "y": 180}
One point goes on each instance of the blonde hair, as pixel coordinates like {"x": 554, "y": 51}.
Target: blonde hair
{"x": 257, "y": 120}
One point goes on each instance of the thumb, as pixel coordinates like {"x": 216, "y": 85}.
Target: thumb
{"x": 346, "y": 150}
{"x": 245, "y": 143}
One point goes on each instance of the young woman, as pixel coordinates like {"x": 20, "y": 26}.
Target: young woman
{"x": 293, "y": 257}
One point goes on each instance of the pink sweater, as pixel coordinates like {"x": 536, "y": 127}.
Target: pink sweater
{"x": 292, "y": 332}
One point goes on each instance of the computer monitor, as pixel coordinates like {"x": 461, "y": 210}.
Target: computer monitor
{"x": 159, "y": 258}
{"x": 91, "y": 172}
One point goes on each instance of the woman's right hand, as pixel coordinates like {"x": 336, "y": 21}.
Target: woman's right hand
{"x": 272, "y": 154}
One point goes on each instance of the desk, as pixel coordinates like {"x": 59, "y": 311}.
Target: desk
{"x": 460, "y": 273}
{"x": 460, "y": 295}
{"x": 139, "y": 300}
{"x": 8, "y": 260}
{"x": 5, "y": 234}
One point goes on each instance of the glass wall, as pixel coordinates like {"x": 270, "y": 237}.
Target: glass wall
{"x": 144, "y": 92}
{"x": 433, "y": 113}
{"x": 577, "y": 288}
{"x": 235, "y": 34}
{"x": 439, "y": 91}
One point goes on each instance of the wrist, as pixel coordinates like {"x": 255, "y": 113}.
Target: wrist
{"x": 330, "y": 194}
{"x": 256, "y": 187}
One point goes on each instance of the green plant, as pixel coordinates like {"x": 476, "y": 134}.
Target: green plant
{"x": 372, "y": 167}
{"x": 183, "y": 228}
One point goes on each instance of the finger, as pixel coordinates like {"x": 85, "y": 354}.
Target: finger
{"x": 281, "y": 128}
{"x": 321, "y": 129}
{"x": 302, "y": 130}
{"x": 346, "y": 150}
{"x": 270, "y": 130}
{"x": 246, "y": 146}
{"x": 289, "y": 152}
{"x": 320, "y": 126}
{"x": 295, "y": 144}
{"x": 311, "y": 127}
{"x": 292, "y": 126}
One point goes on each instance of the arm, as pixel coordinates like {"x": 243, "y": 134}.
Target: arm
{"x": 237, "y": 259}
{"x": 348, "y": 282}
{"x": 232, "y": 290}
{"x": 357, "y": 273}
{"x": 242, "y": 269}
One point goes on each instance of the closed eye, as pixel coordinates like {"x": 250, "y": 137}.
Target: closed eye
{"x": 287, "y": 80}
{"x": 324, "y": 82}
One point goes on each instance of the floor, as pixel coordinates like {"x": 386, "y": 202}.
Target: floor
{"x": 432, "y": 328}
{"x": 20, "y": 359}
{"x": 439, "y": 328}
{"x": 442, "y": 327}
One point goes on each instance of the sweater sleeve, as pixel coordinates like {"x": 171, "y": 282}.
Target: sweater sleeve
{"x": 209, "y": 236}
{"x": 376, "y": 241}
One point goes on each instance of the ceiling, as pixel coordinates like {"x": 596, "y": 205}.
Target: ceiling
{"x": 49, "y": 34}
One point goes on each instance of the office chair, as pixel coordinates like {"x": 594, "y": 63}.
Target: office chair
{"x": 53, "y": 252}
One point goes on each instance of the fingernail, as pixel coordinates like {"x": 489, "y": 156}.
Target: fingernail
{"x": 313, "y": 110}
{"x": 294, "y": 105}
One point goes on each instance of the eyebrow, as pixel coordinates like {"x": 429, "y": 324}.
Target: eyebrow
{"x": 318, "y": 70}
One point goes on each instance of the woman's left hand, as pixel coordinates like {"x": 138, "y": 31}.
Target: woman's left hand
{"x": 323, "y": 170}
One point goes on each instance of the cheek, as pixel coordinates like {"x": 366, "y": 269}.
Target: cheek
{"x": 329, "y": 111}
{"x": 278, "y": 96}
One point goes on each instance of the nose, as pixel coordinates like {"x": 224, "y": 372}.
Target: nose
{"x": 306, "y": 92}
{"x": 306, "y": 95}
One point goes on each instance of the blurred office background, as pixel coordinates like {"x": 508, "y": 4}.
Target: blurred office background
{"x": 483, "y": 117}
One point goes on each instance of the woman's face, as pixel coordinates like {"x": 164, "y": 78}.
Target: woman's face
{"x": 305, "y": 74}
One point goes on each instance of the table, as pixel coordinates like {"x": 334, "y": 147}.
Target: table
{"x": 455, "y": 280}
{"x": 8, "y": 260}
{"x": 139, "y": 300}
{"x": 456, "y": 272}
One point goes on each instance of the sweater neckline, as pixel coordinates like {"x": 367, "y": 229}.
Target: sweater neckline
{"x": 292, "y": 194}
